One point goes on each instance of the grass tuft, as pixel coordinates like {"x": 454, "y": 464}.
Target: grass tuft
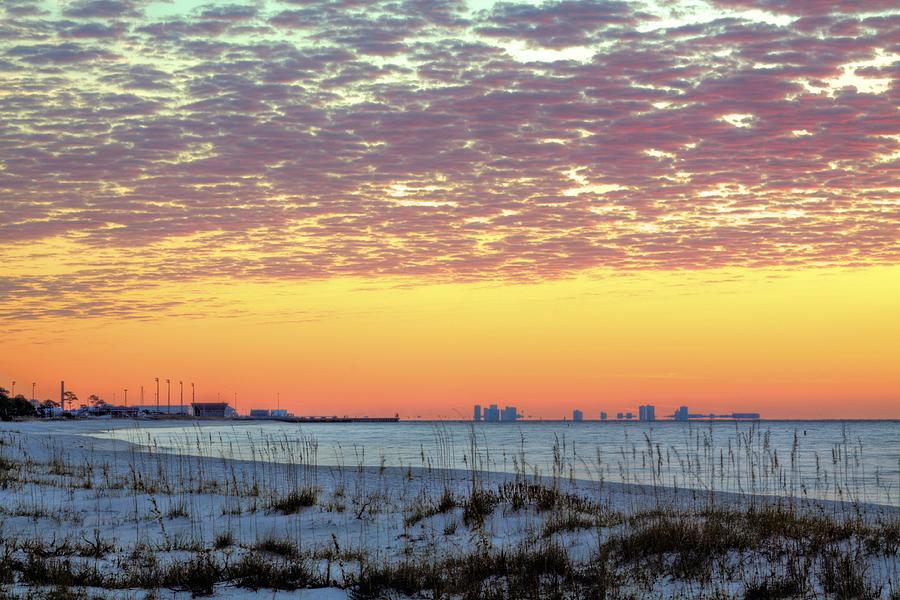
{"x": 295, "y": 500}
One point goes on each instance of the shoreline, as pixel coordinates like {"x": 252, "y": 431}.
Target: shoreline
{"x": 343, "y": 523}
{"x": 82, "y": 439}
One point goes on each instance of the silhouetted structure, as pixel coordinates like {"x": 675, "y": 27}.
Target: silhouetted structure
{"x": 477, "y": 414}
{"x": 492, "y": 414}
{"x": 647, "y": 412}
{"x": 682, "y": 414}
{"x": 509, "y": 414}
{"x": 177, "y": 410}
{"x": 745, "y": 416}
{"x": 217, "y": 410}
{"x": 577, "y": 415}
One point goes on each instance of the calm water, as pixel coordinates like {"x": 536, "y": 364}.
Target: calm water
{"x": 820, "y": 459}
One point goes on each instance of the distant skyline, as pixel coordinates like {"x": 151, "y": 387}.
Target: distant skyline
{"x": 414, "y": 206}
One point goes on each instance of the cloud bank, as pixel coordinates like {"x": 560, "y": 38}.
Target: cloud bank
{"x": 324, "y": 138}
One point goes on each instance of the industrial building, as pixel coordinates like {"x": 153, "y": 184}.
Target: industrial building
{"x": 214, "y": 410}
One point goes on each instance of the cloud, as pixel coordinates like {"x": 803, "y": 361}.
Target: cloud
{"x": 556, "y": 24}
{"x": 63, "y": 53}
{"x": 321, "y": 139}
{"x": 811, "y": 7}
{"x": 89, "y": 9}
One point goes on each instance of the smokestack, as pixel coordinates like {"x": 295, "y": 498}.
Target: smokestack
{"x": 62, "y": 395}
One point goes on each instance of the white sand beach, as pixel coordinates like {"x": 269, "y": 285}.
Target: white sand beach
{"x": 107, "y": 518}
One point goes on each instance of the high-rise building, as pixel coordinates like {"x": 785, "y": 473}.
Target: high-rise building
{"x": 492, "y": 414}
{"x": 602, "y": 416}
{"x": 681, "y": 414}
{"x": 477, "y": 415}
{"x": 577, "y": 415}
{"x": 647, "y": 412}
{"x": 509, "y": 414}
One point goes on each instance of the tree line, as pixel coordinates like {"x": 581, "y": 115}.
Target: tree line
{"x": 19, "y": 406}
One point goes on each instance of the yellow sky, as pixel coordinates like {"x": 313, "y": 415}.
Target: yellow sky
{"x": 809, "y": 343}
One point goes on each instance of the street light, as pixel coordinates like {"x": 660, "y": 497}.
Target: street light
{"x": 169, "y": 397}
{"x": 32, "y": 390}
{"x": 126, "y": 397}
{"x": 157, "y": 393}
{"x": 14, "y": 389}
{"x": 193, "y": 396}
{"x": 181, "y": 392}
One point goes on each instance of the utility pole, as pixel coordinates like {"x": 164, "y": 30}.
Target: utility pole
{"x": 157, "y": 393}
{"x": 169, "y": 396}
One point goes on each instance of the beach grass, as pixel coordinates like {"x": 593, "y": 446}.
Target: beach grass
{"x": 137, "y": 521}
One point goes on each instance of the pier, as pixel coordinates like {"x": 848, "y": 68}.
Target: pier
{"x": 332, "y": 419}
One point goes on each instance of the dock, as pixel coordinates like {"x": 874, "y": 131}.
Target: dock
{"x": 331, "y": 419}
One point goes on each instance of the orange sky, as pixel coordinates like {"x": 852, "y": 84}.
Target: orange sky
{"x": 809, "y": 343}
{"x": 551, "y": 204}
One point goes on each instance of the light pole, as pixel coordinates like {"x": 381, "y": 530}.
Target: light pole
{"x": 193, "y": 395}
{"x": 235, "y": 403}
{"x": 142, "y": 395}
{"x": 169, "y": 396}
{"x": 157, "y": 393}
{"x": 14, "y": 389}
{"x": 181, "y": 393}
{"x": 126, "y": 397}
{"x": 32, "y": 390}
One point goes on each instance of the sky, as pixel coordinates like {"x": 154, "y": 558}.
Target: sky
{"x": 413, "y": 206}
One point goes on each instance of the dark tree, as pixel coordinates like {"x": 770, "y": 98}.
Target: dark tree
{"x": 71, "y": 398}
{"x": 11, "y": 408}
